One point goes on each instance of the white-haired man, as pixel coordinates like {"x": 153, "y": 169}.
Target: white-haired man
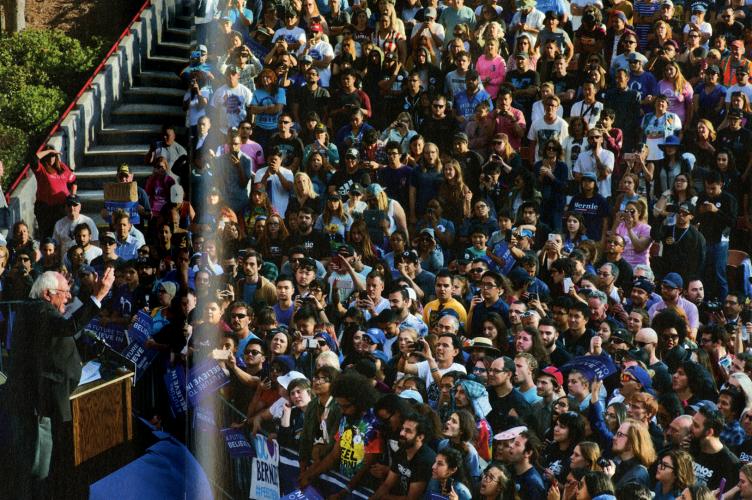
{"x": 45, "y": 369}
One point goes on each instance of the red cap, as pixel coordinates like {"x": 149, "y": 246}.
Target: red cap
{"x": 554, "y": 372}
{"x": 316, "y": 27}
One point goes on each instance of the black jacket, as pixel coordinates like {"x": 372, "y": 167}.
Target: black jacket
{"x": 45, "y": 366}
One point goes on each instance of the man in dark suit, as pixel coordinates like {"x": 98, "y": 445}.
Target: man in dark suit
{"x": 45, "y": 369}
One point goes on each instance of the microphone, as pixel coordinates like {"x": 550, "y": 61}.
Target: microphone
{"x": 93, "y": 336}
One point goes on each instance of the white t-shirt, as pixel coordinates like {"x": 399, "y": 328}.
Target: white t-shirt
{"x": 297, "y": 34}
{"x": 232, "y": 105}
{"x": 278, "y": 195}
{"x": 541, "y": 132}
{"x": 319, "y": 51}
{"x": 194, "y": 111}
{"x": 539, "y": 110}
{"x": 590, "y": 112}
{"x": 586, "y": 163}
{"x": 432, "y": 389}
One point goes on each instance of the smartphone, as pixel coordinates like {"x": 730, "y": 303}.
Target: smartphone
{"x": 221, "y": 354}
{"x": 552, "y": 236}
{"x": 568, "y": 284}
{"x": 310, "y": 343}
{"x": 363, "y": 295}
{"x": 532, "y": 296}
{"x": 630, "y": 156}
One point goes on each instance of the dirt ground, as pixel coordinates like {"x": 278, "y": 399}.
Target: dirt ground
{"x": 83, "y": 19}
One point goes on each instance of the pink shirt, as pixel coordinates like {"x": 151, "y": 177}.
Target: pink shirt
{"x": 506, "y": 126}
{"x": 632, "y": 257}
{"x": 493, "y": 70}
{"x": 52, "y": 189}
{"x": 678, "y": 102}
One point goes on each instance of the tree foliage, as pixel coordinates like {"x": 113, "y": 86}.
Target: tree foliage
{"x": 40, "y": 72}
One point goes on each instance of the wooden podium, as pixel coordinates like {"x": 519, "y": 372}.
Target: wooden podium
{"x": 101, "y": 413}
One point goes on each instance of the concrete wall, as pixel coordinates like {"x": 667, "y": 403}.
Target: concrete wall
{"x": 79, "y": 129}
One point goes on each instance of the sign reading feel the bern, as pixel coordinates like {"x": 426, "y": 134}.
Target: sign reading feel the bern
{"x": 265, "y": 470}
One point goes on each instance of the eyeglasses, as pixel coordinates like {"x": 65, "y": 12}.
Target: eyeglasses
{"x": 625, "y": 377}
{"x": 495, "y": 371}
{"x": 631, "y": 211}
{"x": 488, "y": 286}
{"x": 620, "y": 434}
{"x": 252, "y": 353}
{"x": 323, "y": 380}
{"x": 477, "y": 270}
{"x": 479, "y": 369}
{"x": 238, "y": 315}
{"x": 663, "y": 465}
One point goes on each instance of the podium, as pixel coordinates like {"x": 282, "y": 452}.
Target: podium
{"x": 101, "y": 413}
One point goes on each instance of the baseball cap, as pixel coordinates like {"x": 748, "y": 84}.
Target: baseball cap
{"x": 376, "y": 336}
{"x": 736, "y": 113}
{"x": 412, "y": 394}
{"x": 316, "y": 27}
{"x": 687, "y": 206}
{"x": 713, "y": 68}
{"x": 621, "y": 335}
{"x": 356, "y": 188}
{"x": 460, "y": 136}
{"x": 465, "y": 258}
{"x": 674, "y": 280}
{"x": 589, "y": 176}
{"x": 409, "y": 255}
{"x": 305, "y": 58}
{"x": 109, "y": 235}
{"x": 705, "y": 403}
{"x": 429, "y": 12}
{"x": 428, "y": 231}
{"x": 644, "y": 284}
{"x": 72, "y": 200}
{"x": 554, "y": 373}
{"x": 636, "y": 56}
{"x": 641, "y": 375}
{"x": 352, "y": 153}
{"x": 123, "y": 169}
{"x": 284, "y": 380}
{"x": 374, "y": 189}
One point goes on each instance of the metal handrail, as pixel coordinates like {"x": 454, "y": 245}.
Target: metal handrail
{"x": 86, "y": 86}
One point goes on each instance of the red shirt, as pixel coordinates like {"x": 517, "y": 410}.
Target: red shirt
{"x": 52, "y": 189}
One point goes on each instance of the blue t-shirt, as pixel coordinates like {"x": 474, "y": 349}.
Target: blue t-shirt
{"x": 268, "y": 121}
{"x": 594, "y": 211}
{"x": 530, "y": 484}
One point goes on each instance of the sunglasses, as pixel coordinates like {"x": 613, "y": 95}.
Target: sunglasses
{"x": 239, "y": 316}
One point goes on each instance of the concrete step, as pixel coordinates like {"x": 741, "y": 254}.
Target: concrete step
{"x": 175, "y": 34}
{"x": 176, "y": 49}
{"x": 148, "y": 113}
{"x": 157, "y": 78}
{"x": 183, "y": 21}
{"x": 95, "y": 177}
{"x": 100, "y": 156}
{"x": 166, "y": 63}
{"x": 139, "y": 133}
{"x": 154, "y": 95}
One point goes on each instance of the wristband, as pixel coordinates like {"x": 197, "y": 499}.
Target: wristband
{"x": 434, "y": 370}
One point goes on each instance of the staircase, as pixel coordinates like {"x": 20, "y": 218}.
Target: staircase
{"x": 154, "y": 100}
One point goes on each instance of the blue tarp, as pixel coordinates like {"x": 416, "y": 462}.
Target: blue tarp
{"x": 166, "y": 470}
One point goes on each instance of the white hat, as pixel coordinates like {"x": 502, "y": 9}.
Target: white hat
{"x": 412, "y": 394}
{"x": 284, "y": 380}
{"x": 510, "y": 433}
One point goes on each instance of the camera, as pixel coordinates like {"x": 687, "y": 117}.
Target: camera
{"x": 603, "y": 462}
{"x": 711, "y": 306}
{"x": 310, "y": 343}
{"x": 672, "y": 209}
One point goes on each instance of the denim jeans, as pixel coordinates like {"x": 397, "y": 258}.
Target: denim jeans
{"x": 716, "y": 283}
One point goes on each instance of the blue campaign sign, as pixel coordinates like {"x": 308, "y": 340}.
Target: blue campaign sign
{"x": 114, "y": 336}
{"x": 129, "y": 207}
{"x": 204, "y": 379}
{"x": 600, "y": 366}
{"x": 139, "y": 333}
{"x": 501, "y": 250}
{"x": 310, "y": 493}
{"x": 237, "y": 445}
{"x": 175, "y": 382}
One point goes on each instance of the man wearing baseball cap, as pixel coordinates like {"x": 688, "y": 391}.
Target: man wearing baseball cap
{"x": 730, "y": 63}
{"x": 683, "y": 244}
{"x": 671, "y": 290}
{"x": 549, "y": 387}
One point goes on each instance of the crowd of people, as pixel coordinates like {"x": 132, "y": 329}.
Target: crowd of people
{"x": 409, "y": 232}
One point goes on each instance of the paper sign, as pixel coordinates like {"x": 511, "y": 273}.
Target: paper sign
{"x": 237, "y": 445}
{"x": 501, "y": 250}
{"x": 175, "y": 382}
{"x": 115, "y": 337}
{"x": 310, "y": 493}
{"x": 204, "y": 379}
{"x": 265, "y": 470}
{"x": 601, "y": 366}
{"x": 139, "y": 333}
{"x": 129, "y": 207}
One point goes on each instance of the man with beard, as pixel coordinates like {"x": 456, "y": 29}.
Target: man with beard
{"x": 548, "y": 387}
{"x": 671, "y": 288}
{"x": 713, "y": 460}
{"x": 411, "y": 469}
{"x": 431, "y": 370}
{"x": 286, "y": 142}
{"x": 508, "y": 405}
{"x": 310, "y": 97}
{"x": 613, "y": 254}
{"x": 399, "y": 302}
{"x": 641, "y": 295}
{"x": 683, "y": 244}
{"x": 550, "y": 337}
{"x": 522, "y": 454}
{"x": 314, "y": 242}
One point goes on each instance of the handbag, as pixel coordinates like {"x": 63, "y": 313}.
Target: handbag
{"x": 43, "y": 451}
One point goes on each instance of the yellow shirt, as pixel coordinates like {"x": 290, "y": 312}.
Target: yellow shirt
{"x": 431, "y": 311}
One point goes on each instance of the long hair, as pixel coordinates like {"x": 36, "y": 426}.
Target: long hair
{"x": 328, "y": 214}
{"x": 366, "y": 249}
{"x": 640, "y": 442}
{"x": 307, "y": 189}
{"x": 456, "y": 460}
{"x": 591, "y": 452}
{"x": 272, "y": 88}
{"x": 467, "y": 431}
{"x": 683, "y": 468}
{"x": 266, "y": 237}
{"x": 679, "y": 81}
